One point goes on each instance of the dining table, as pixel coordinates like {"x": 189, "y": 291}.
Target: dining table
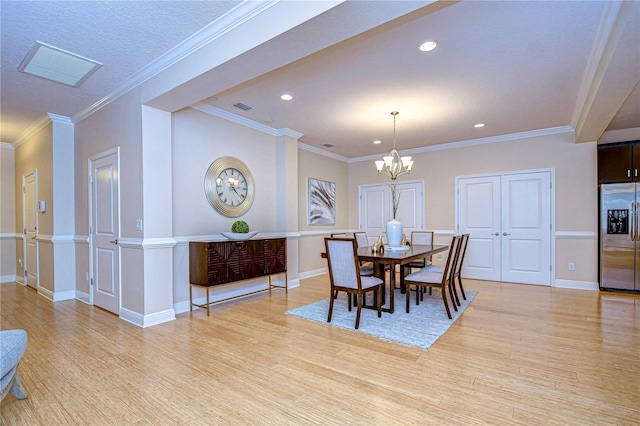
{"x": 392, "y": 257}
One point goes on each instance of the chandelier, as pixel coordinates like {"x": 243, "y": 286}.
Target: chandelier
{"x": 392, "y": 164}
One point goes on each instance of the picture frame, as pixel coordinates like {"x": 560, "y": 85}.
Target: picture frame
{"x": 321, "y": 202}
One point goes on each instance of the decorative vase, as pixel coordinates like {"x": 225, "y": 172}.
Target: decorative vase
{"x": 394, "y": 233}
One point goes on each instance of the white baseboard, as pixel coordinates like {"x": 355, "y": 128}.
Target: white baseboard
{"x": 313, "y": 273}
{"x": 578, "y": 285}
{"x": 57, "y": 296}
{"x": 182, "y": 307}
{"x": 147, "y": 320}
{"x": 8, "y": 279}
{"x": 82, "y": 296}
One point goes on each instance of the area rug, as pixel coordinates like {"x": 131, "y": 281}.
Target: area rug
{"x": 421, "y": 327}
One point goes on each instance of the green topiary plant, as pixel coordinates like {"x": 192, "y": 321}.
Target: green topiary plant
{"x": 240, "y": 227}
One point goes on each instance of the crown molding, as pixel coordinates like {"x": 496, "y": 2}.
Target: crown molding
{"x": 319, "y": 151}
{"x": 240, "y": 14}
{"x": 32, "y": 130}
{"x": 55, "y": 118}
{"x": 211, "y": 110}
{"x": 474, "y": 142}
{"x": 285, "y": 131}
{"x": 6, "y": 145}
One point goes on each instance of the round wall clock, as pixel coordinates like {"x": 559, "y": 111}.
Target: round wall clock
{"x": 228, "y": 186}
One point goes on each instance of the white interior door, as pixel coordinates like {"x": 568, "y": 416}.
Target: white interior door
{"x": 479, "y": 215}
{"x": 30, "y": 215}
{"x": 508, "y": 218}
{"x": 526, "y": 228}
{"x": 105, "y": 223}
{"x": 374, "y": 214}
{"x": 376, "y": 209}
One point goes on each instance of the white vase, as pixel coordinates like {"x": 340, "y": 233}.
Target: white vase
{"x": 394, "y": 233}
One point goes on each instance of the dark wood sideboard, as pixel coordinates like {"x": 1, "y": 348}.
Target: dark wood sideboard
{"x": 222, "y": 262}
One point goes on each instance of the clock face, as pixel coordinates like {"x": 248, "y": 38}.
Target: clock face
{"x": 228, "y": 186}
{"x": 231, "y": 186}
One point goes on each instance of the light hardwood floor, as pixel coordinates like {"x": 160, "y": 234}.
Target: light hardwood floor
{"x": 518, "y": 355}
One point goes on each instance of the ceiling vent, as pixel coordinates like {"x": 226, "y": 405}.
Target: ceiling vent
{"x": 57, "y": 65}
{"x": 242, "y": 106}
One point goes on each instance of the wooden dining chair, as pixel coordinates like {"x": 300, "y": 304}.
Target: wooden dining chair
{"x": 361, "y": 239}
{"x": 457, "y": 271}
{"x": 442, "y": 280}
{"x": 344, "y": 274}
{"x": 420, "y": 238}
{"x": 366, "y": 268}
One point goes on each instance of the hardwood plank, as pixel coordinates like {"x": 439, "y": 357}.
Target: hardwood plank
{"x": 518, "y": 355}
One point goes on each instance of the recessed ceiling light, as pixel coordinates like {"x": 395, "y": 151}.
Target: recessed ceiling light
{"x": 377, "y": 142}
{"x": 57, "y": 65}
{"x": 477, "y": 126}
{"x": 428, "y": 46}
{"x": 286, "y": 97}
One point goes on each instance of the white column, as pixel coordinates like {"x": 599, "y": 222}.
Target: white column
{"x": 287, "y": 196}
{"x": 63, "y": 208}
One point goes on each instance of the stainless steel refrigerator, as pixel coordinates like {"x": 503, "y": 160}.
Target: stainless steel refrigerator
{"x": 620, "y": 236}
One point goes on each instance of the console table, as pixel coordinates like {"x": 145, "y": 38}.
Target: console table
{"x": 222, "y": 262}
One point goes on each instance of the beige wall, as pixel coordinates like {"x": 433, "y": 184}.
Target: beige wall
{"x": 36, "y": 153}
{"x": 575, "y": 168}
{"x": 312, "y": 165}
{"x": 198, "y": 140}
{"x": 8, "y": 260}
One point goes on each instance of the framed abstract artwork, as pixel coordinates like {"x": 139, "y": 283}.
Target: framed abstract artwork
{"x": 322, "y": 202}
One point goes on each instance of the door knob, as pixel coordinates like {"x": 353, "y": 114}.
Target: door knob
{"x": 114, "y": 241}
{"x": 496, "y": 234}
{"x": 505, "y": 233}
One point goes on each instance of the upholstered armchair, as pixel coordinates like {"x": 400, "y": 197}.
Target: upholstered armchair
{"x": 13, "y": 343}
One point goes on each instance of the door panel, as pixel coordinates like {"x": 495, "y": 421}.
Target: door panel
{"x": 376, "y": 210}
{"x": 373, "y": 211}
{"x": 526, "y": 226}
{"x": 31, "y": 227}
{"x": 106, "y": 231}
{"x": 409, "y": 209}
{"x": 479, "y": 215}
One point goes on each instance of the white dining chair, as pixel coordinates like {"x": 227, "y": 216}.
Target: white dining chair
{"x": 344, "y": 274}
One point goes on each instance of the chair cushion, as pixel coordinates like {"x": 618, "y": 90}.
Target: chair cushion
{"x": 368, "y": 282}
{"x": 435, "y": 268}
{"x": 365, "y": 270}
{"x": 13, "y": 343}
{"x": 425, "y": 276}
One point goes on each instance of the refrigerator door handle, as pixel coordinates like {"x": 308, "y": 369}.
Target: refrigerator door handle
{"x": 633, "y": 222}
{"x": 637, "y": 221}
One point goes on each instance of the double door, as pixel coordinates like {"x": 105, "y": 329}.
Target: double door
{"x": 508, "y": 218}
{"x": 375, "y": 208}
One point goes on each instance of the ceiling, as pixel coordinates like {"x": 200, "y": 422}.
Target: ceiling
{"x": 518, "y": 67}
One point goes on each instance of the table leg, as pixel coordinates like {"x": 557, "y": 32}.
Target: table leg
{"x": 392, "y": 286}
